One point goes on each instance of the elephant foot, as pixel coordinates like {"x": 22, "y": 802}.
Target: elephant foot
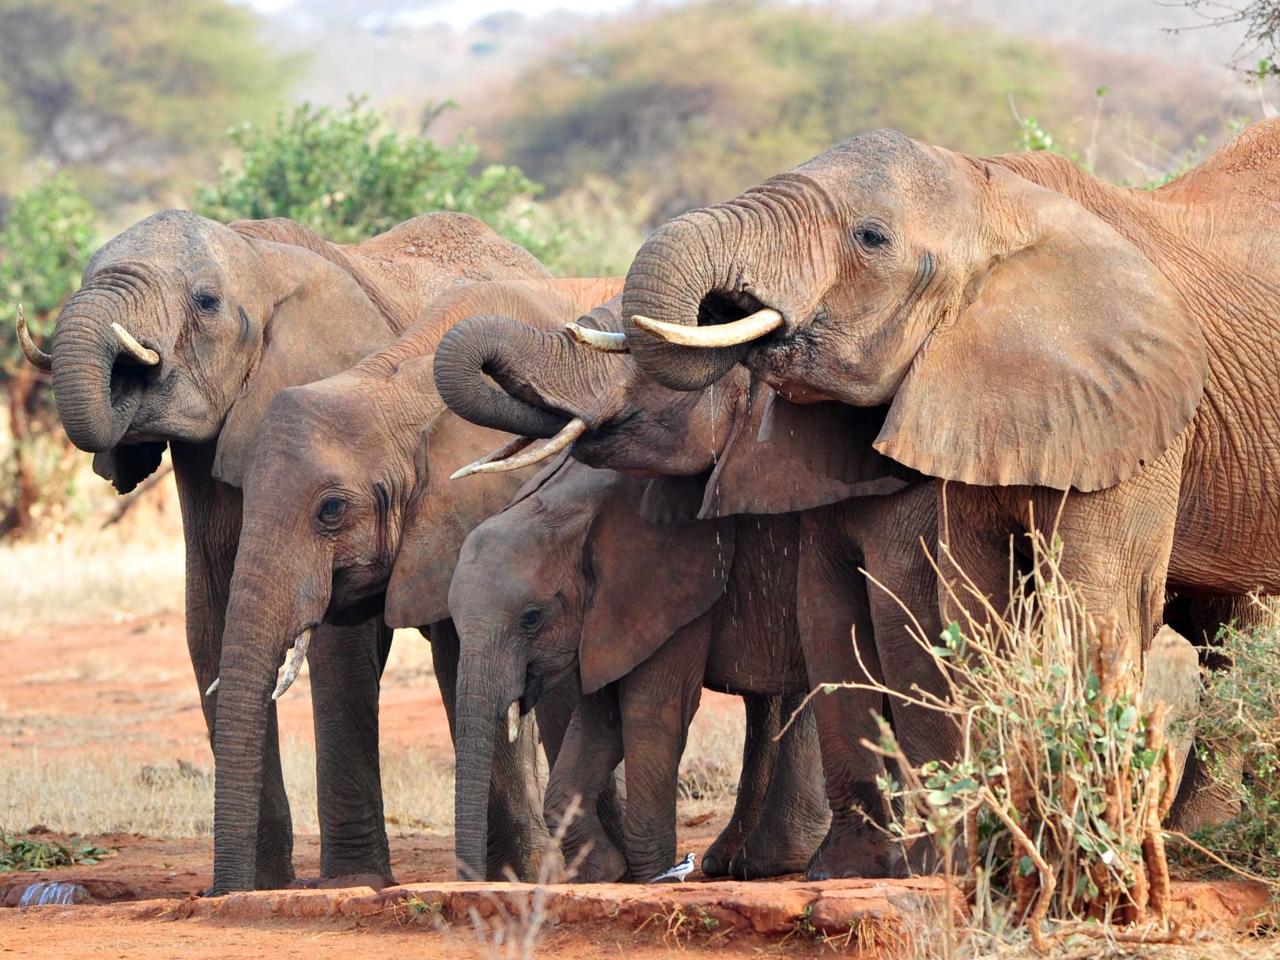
{"x": 273, "y": 868}
{"x": 856, "y": 850}
{"x": 521, "y": 851}
{"x": 376, "y": 880}
{"x": 772, "y": 852}
{"x": 717, "y": 858}
{"x": 593, "y": 857}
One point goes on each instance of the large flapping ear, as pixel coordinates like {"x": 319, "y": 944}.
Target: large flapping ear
{"x": 783, "y": 457}
{"x": 644, "y": 582}
{"x": 319, "y": 323}
{"x": 1074, "y": 364}
{"x": 440, "y": 513}
{"x": 127, "y": 465}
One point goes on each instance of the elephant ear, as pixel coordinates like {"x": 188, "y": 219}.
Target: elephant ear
{"x": 1074, "y": 364}
{"x": 127, "y": 465}
{"x": 318, "y": 323}
{"x": 644, "y": 582}
{"x": 440, "y": 513}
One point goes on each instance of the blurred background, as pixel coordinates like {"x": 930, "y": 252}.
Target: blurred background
{"x": 573, "y": 127}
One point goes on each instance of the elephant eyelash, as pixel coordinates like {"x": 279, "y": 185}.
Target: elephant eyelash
{"x": 208, "y": 302}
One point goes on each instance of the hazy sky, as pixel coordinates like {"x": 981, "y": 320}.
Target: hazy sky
{"x": 461, "y": 13}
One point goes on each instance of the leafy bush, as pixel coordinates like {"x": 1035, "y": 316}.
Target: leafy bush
{"x": 45, "y": 854}
{"x": 344, "y": 175}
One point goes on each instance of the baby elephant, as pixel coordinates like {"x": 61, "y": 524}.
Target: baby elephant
{"x": 572, "y": 576}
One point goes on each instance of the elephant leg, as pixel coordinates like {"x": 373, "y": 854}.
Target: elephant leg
{"x": 211, "y": 527}
{"x": 759, "y": 754}
{"x": 1210, "y": 790}
{"x": 833, "y": 601}
{"x": 517, "y": 835}
{"x": 346, "y": 669}
{"x": 555, "y": 710}
{"x": 796, "y": 815}
{"x": 589, "y": 754}
{"x": 658, "y": 700}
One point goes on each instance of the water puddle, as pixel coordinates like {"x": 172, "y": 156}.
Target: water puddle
{"x": 47, "y": 892}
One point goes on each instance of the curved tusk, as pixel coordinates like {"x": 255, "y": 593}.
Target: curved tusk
{"x": 506, "y": 450}
{"x": 148, "y": 358}
{"x": 603, "y": 340}
{"x": 513, "y": 721}
{"x": 213, "y": 687}
{"x": 35, "y": 356}
{"x": 494, "y": 463}
{"x": 295, "y": 664}
{"x": 749, "y": 328}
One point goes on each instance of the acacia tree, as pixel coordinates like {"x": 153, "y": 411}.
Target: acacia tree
{"x": 1261, "y": 22}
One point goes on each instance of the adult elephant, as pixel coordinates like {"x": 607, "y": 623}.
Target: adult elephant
{"x": 572, "y": 579}
{"x": 736, "y": 451}
{"x": 181, "y": 333}
{"x": 1031, "y": 330}
{"x": 346, "y": 503}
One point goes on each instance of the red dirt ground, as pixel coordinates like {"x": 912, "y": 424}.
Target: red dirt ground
{"x": 127, "y": 687}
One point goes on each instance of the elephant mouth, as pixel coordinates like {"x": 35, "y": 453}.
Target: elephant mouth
{"x": 733, "y": 317}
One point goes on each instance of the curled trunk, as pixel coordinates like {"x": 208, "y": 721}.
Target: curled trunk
{"x": 514, "y": 356}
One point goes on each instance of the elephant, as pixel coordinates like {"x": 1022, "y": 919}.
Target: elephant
{"x": 347, "y": 513}
{"x": 738, "y": 451}
{"x": 1063, "y": 354}
{"x": 181, "y": 333}
{"x": 571, "y": 578}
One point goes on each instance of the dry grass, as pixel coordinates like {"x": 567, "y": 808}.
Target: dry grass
{"x": 711, "y": 762}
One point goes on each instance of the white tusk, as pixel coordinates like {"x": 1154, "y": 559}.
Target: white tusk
{"x": 605, "y": 341}
{"x": 750, "y": 328}
{"x": 506, "y": 450}
{"x": 148, "y": 358}
{"x": 35, "y": 356}
{"x": 213, "y": 687}
{"x": 493, "y": 463}
{"x": 513, "y": 721}
{"x": 295, "y": 664}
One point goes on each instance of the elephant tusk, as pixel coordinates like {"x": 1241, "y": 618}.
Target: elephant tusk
{"x": 213, "y": 687}
{"x": 513, "y": 721}
{"x": 749, "y": 328}
{"x": 35, "y": 356}
{"x": 295, "y": 664}
{"x": 605, "y": 341}
{"x": 509, "y": 449}
{"x": 495, "y": 463}
{"x": 148, "y": 358}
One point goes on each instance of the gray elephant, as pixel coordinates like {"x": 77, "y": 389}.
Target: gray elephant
{"x": 181, "y": 333}
{"x": 347, "y": 513}
{"x": 572, "y": 579}
{"x": 735, "y": 451}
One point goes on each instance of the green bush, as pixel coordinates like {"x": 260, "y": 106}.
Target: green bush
{"x": 343, "y": 174}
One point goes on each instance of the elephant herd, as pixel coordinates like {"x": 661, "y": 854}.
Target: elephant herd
{"x": 754, "y": 464}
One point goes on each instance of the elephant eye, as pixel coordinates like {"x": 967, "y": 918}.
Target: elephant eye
{"x": 871, "y": 237}
{"x": 208, "y": 302}
{"x": 530, "y": 619}
{"x": 331, "y": 510}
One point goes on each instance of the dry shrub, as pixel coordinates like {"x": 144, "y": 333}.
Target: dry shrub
{"x": 1063, "y": 777}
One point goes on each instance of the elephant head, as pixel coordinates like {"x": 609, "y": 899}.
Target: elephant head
{"x": 346, "y": 499}
{"x": 569, "y": 576}
{"x": 1015, "y": 337}
{"x": 179, "y": 320}
{"x": 732, "y": 448}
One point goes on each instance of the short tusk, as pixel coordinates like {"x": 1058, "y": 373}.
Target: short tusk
{"x": 494, "y": 463}
{"x": 35, "y": 356}
{"x": 750, "y": 328}
{"x": 605, "y": 341}
{"x": 513, "y": 721}
{"x": 148, "y": 358}
{"x": 213, "y": 687}
{"x": 295, "y": 664}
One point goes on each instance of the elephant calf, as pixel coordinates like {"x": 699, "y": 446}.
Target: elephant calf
{"x": 571, "y": 577}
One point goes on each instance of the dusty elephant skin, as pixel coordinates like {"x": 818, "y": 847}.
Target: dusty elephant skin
{"x": 1031, "y": 330}
{"x": 346, "y": 498}
{"x": 705, "y": 447}
{"x": 181, "y": 333}
{"x": 571, "y": 578}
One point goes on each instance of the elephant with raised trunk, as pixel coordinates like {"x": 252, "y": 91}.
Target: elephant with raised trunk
{"x": 736, "y": 451}
{"x": 348, "y": 512}
{"x": 181, "y": 333}
{"x": 572, "y": 579}
{"x": 1031, "y": 330}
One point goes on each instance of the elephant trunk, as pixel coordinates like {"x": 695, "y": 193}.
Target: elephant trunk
{"x": 100, "y": 369}
{"x": 260, "y": 628}
{"x": 687, "y": 273}
{"x": 513, "y": 355}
